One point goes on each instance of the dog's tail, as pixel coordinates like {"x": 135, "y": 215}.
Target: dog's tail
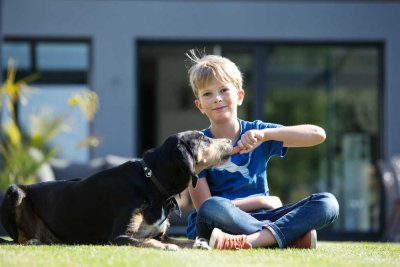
{"x": 8, "y": 208}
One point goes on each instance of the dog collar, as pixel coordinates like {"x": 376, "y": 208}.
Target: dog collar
{"x": 170, "y": 201}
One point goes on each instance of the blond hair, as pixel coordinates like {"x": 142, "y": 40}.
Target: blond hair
{"x": 205, "y": 68}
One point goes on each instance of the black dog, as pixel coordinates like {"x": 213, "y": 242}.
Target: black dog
{"x": 125, "y": 205}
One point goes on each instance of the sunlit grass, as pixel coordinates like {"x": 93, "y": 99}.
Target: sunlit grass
{"x": 328, "y": 254}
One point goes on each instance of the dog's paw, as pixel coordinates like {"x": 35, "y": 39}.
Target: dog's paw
{"x": 171, "y": 247}
{"x": 33, "y": 241}
{"x": 201, "y": 243}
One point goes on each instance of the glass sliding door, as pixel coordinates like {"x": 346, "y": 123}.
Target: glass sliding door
{"x": 336, "y": 86}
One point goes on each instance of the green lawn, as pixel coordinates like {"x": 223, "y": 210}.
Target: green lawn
{"x": 327, "y": 254}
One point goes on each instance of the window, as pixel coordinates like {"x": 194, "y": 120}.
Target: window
{"x": 63, "y": 67}
{"x": 336, "y": 86}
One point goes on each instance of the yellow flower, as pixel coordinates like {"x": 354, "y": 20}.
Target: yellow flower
{"x": 90, "y": 141}
{"x": 87, "y": 102}
{"x": 14, "y": 90}
{"x": 12, "y": 131}
{"x": 37, "y": 139}
{"x": 74, "y": 100}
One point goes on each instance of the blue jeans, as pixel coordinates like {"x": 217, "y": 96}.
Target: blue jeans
{"x": 286, "y": 223}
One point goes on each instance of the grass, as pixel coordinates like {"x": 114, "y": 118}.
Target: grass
{"x": 328, "y": 254}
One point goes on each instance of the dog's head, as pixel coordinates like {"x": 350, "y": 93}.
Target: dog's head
{"x": 200, "y": 152}
{"x": 185, "y": 154}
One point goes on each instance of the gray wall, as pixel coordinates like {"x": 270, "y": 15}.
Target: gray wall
{"x": 115, "y": 26}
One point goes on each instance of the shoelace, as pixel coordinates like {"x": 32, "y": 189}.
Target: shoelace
{"x": 234, "y": 242}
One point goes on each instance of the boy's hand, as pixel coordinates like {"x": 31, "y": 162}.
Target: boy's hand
{"x": 250, "y": 140}
{"x": 258, "y": 202}
{"x": 271, "y": 202}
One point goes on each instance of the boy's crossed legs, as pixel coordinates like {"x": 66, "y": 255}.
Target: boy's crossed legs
{"x": 288, "y": 226}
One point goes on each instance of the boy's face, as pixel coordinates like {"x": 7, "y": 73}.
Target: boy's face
{"x": 219, "y": 101}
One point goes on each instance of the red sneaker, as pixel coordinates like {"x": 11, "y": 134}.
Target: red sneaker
{"x": 308, "y": 240}
{"x": 221, "y": 240}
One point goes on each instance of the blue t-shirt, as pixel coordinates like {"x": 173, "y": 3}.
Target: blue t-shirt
{"x": 244, "y": 175}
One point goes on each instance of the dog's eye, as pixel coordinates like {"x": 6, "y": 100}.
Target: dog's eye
{"x": 205, "y": 140}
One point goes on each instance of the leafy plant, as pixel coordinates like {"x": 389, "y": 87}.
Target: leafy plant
{"x": 24, "y": 151}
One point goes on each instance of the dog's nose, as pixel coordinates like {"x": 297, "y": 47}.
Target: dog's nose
{"x": 229, "y": 141}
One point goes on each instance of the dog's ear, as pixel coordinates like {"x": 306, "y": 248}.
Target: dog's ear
{"x": 188, "y": 162}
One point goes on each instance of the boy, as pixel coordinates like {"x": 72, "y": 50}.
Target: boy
{"x": 233, "y": 206}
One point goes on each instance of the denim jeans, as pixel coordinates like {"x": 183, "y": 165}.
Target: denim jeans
{"x": 286, "y": 223}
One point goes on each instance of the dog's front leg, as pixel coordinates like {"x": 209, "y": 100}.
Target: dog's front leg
{"x": 182, "y": 243}
{"x": 153, "y": 243}
{"x": 124, "y": 240}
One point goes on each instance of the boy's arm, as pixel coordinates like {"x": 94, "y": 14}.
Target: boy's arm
{"x": 296, "y": 136}
{"x": 292, "y": 136}
{"x": 199, "y": 193}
